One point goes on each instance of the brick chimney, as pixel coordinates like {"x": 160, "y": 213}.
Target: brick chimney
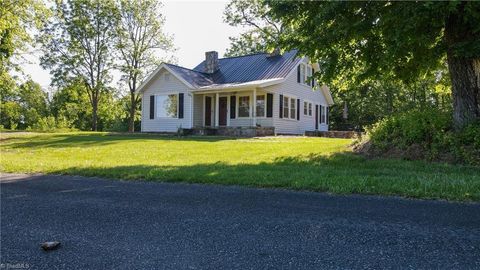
{"x": 211, "y": 62}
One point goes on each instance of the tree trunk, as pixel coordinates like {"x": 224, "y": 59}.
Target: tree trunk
{"x": 133, "y": 107}
{"x": 465, "y": 89}
{"x": 94, "y": 114}
{"x": 464, "y": 71}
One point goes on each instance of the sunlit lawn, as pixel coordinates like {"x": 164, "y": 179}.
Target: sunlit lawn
{"x": 319, "y": 164}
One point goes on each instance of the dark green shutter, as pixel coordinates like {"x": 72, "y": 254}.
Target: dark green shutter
{"x": 313, "y": 79}
{"x": 180, "y": 105}
{"x": 298, "y": 109}
{"x": 281, "y": 106}
{"x": 269, "y": 105}
{"x": 298, "y": 73}
{"x": 316, "y": 117}
{"x": 152, "y": 107}
{"x": 232, "y": 107}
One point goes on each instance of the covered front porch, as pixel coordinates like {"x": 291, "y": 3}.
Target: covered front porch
{"x": 221, "y": 109}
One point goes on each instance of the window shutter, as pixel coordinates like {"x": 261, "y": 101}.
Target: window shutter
{"x": 316, "y": 117}
{"x": 269, "y": 105}
{"x": 152, "y": 107}
{"x": 298, "y": 73}
{"x": 180, "y": 105}
{"x": 233, "y": 105}
{"x": 313, "y": 79}
{"x": 298, "y": 109}
{"x": 281, "y": 106}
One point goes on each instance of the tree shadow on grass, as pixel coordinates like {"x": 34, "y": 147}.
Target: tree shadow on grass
{"x": 338, "y": 173}
{"x": 93, "y": 140}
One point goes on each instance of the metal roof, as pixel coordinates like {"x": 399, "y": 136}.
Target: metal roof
{"x": 241, "y": 69}
{"x": 196, "y": 79}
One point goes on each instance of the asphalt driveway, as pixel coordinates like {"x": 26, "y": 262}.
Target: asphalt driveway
{"x": 106, "y": 224}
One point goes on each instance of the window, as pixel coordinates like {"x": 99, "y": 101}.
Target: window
{"x": 167, "y": 106}
{"x": 302, "y": 73}
{"x": 306, "y": 72}
{"x": 293, "y": 110}
{"x": 285, "y": 107}
{"x": 289, "y": 108}
{"x": 244, "y": 106}
{"x": 322, "y": 114}
{"x": 260, "y": 106}
{"x": 307, "y": 108}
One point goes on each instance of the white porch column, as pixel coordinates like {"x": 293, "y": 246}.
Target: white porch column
{"x": 254, "y": 110}
{"x": 217, "y": 102}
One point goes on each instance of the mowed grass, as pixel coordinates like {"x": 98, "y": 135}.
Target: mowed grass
{"x": 318, "y": 164}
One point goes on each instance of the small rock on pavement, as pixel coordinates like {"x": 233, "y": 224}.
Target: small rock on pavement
{"x": 50, "y": 245}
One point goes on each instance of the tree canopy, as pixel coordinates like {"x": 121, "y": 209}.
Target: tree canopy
{"x": 139, "y": 41}
{"x": 369, "y": 39}
{"x": 262, "y": 31}
{"x": 77, "y": 45}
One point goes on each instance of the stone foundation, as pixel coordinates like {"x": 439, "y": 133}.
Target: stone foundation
{"x": 335, "y": 134}
{"x": 234, "y": 131}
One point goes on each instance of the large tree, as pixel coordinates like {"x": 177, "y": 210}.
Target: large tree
{"x": 262, "y": 31}
{"x": 139, "y": 38}
{"x": 408, "y": 39}
{"x": 18, "y": 19}
{"x": 78, "y": 44}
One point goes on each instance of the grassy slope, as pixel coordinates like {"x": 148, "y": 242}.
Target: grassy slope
{"x": 319, "y": 164}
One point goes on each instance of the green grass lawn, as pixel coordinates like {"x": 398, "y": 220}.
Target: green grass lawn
{"x": 320, "y": 164}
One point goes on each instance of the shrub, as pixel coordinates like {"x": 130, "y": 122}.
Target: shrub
{"x": 50, "y": 124}
{"x": 46, "y": 124}
{"x": 424, "y": 134}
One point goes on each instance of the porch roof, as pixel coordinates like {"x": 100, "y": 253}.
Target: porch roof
{"x": 246, "y": 85}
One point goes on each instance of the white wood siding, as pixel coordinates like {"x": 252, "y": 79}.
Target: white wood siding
{"x": 198, "y": 110}
{"x": 293, "y": 89}
{"x": 162, "y": 85}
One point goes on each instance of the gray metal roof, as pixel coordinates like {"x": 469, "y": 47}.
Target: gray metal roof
{"x": 196, "y": 79}
{"x": 241, "y": 69}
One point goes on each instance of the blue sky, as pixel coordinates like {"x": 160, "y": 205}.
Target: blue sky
{"x": 197, "y": 27}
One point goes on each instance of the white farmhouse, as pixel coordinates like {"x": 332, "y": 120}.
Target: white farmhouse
{"x": 259, "y": 94}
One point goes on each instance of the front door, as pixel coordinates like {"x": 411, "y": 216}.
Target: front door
{"x": 208, "y": 111}
{"x": 222, "y": 111}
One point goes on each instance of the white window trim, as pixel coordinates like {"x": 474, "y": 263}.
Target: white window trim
{"x": 323, "y": 112}
{"x": 295, "y": 110}
{"x": 249, "y": 106}
{"x": 303, "y": 81}
{"x": 265, "y": 110}
{"x": 289, "y": 108}
{"x": 156, "y": 109}
{"x": 309, "y": 103}
{"x": 286, "y": 106}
